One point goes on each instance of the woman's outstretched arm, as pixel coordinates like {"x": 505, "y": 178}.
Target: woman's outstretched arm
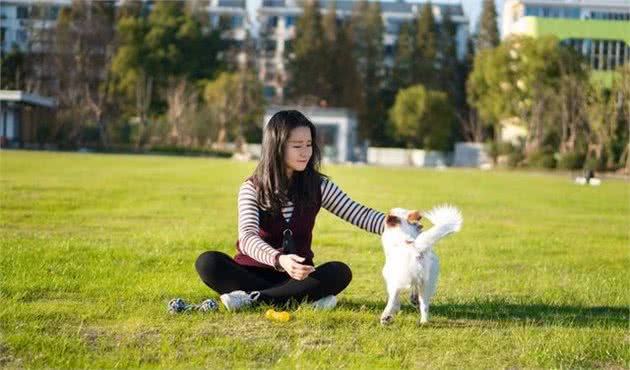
{"x": 339, "y": 203}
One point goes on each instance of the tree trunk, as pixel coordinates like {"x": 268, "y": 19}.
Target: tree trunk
{"x": 221, "y": 137}
{"x": 102, "y": 131}
{"x": 144, "y": 90}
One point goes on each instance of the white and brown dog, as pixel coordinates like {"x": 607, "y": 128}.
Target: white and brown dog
{"x": 409, "y": 259}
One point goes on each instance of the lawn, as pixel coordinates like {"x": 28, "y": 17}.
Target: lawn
{"x": 92, "y": 247}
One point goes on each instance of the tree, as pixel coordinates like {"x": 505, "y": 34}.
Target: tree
{"x": 182, "y": 98}
{"x": 157, "y": 56}
{"x": 621, "y": 92}
{"x": 403, "y": 68}
{"x": 425, "y": 71}
{"x": 71, "y": 110}
{"x": 82, "y": 39}
{"x": 40, "y": 52}
{"x": 505, "y": 80}
{"x": 131, "y": 69}
{"x": 450, "y": 80}
{"x": 423, "y": 118}
{"x": 572, "y": 98}
{"x": 329, "y": 24}
{"x": 468, "y": 117}
{"x": 536, "y": 80}
{"x": 609, "y": 117}
{"x": 236, "y": 103}
{"x": 342, "y": 77}
{"x": 366, "y": 30}
{"x": 308, "y": 68}
{"x": 488, "y": 36}
{"x": 129, "y": 9}
{"x": 193, "y": 57}
{"x": 95, "y": 24}
{"x": 13, "y": 69}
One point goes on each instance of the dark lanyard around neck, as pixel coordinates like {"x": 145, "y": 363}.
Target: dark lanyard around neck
{"x": 287, "y": 242}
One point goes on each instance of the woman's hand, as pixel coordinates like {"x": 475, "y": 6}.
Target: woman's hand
{"x": 291, "y": 264}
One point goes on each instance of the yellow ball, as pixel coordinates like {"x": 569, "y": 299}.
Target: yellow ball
{"x": 269, "y": 314}
{"x": 282, "y": 316}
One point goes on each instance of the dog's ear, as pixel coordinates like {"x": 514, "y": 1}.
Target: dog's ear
{"x": 391, "y": 220}
{"x": 413, "y": 217}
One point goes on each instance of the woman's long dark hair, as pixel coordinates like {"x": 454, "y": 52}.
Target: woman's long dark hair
{"x": 270, "y": 176}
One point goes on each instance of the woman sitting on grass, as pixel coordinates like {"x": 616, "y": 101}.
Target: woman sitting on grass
{"x": 277, "y": 207}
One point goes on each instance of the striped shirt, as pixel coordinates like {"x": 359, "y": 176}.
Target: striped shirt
{"x": 333, "y": 199}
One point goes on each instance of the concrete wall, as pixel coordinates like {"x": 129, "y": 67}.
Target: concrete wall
{"x": 470, "y": 155}
{"x": 465, "y": 155}
{"x": 406, "y": 157}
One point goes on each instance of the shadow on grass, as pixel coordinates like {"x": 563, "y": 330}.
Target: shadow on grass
{"x": 504, "y": 312}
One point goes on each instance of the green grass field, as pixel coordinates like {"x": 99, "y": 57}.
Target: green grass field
{"x": 93, "y": 247}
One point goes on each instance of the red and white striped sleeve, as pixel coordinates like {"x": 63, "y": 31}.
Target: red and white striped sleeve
{"x": 340, "y": 204}
{"x": 250, "y": 242}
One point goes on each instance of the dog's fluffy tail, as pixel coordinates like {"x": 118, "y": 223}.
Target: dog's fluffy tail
{"x": 446, "y": 219}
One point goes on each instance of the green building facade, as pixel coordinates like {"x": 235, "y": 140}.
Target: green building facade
{"x": 598, "y": 29}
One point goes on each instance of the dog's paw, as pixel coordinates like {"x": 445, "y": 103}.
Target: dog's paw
{"x": 386, "y": 320}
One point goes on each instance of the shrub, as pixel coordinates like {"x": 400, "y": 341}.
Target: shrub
{"x": 515, "y": 158}
{"x": 507, "y": 153}
{"x": 571, "y": 161}
{"x": 191, "y": 151}
{"x": 542, "y": 159}
{"x": 593, "y": 163}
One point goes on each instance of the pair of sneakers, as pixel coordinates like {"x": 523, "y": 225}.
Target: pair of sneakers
{"x": 239, "y": 299}
{"x": 178, "y": 305}
{"x": 232, "y": 301}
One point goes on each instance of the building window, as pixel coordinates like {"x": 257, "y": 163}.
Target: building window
{"x": 273, "y": 3}
{"x": 610, "y": 16}
{"x": 236, "y": 21}
{"x": 270, "y": 46}
{"x": 389, "y": 51}
{"x": 552, "y": 12}
{"x": 22, "y": 12}
{"x": 572, "y": 13}
{"x": 290, "y": 21}
{"x": 531, "y": 11}
{"x": 234, "y": 3}
{"x": 53, "y": 12}
{"x": 224, "y": 22}
{"x": 272, "y": 22}
{"x": 587, "y": 47}
{"x": 214, "y": 20}
{"x": 603, "y": 55}
{"x": 21, "y": 36}
{"x": 545, "y": 12}
{"x": 3, "y": 32}
{"x": 392, "y": 26}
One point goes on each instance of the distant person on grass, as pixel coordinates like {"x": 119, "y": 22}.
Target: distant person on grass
{"x": 277, "y": 207}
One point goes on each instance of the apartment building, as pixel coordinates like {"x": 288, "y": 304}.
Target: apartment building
{"x": 598, "y": 29}
{"x": 272, "y": 24}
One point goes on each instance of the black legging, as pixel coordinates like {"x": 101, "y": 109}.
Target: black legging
{"x": 223, "y": 275}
